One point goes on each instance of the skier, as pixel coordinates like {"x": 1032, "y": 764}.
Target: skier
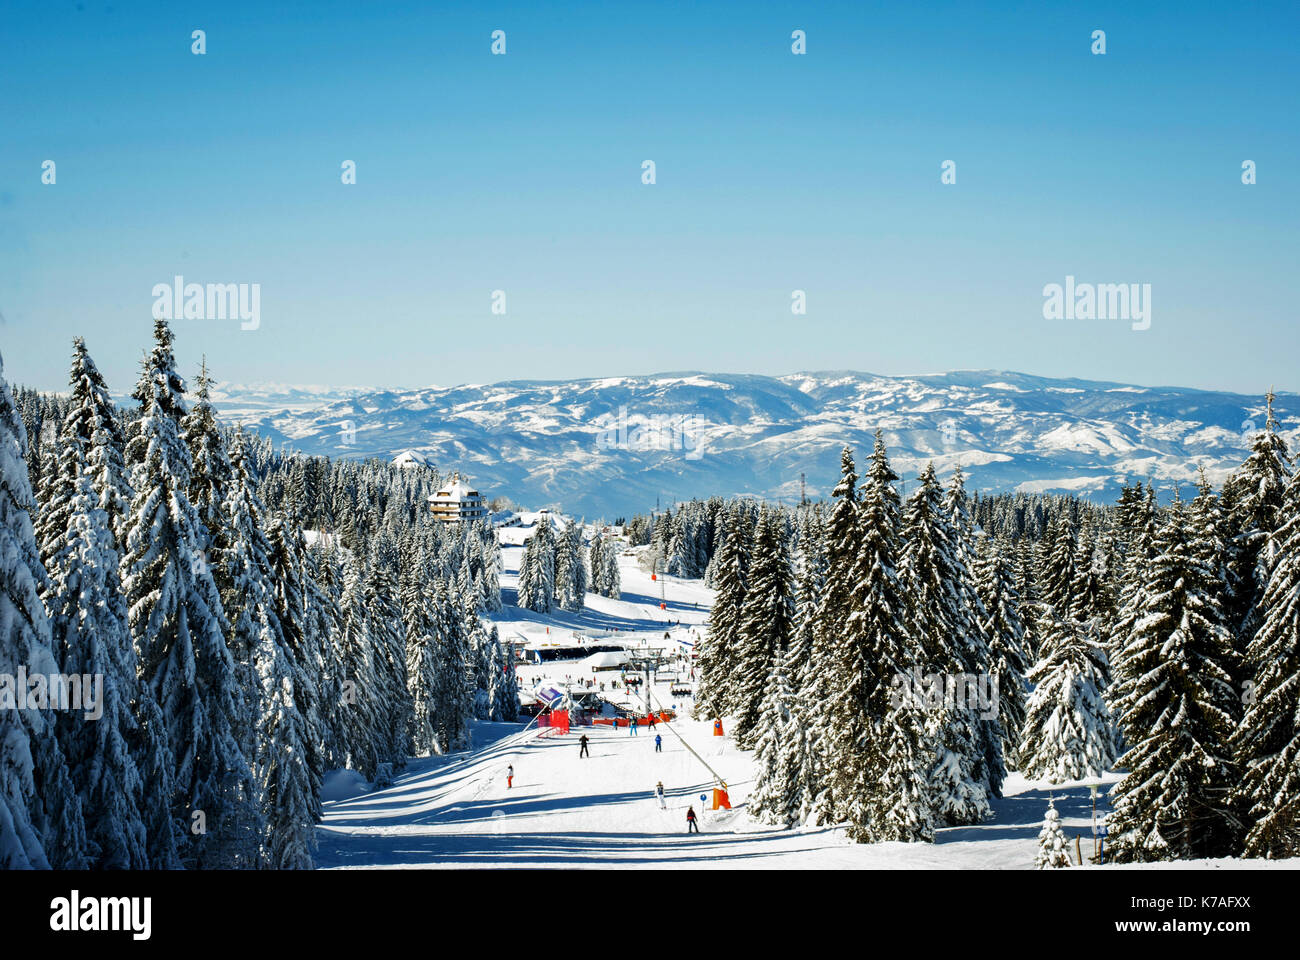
{"x": 583, "y": 752}
{"x": 659, "y": 744}
{"x": 690, "y": 820}
{"x": 510, "y": 776}
{"x": 659, "y": 792}
{"x": 652, "y": 721}
{"x": 632, "y": 728}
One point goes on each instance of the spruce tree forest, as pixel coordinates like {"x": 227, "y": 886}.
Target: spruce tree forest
{"x": 241, "y": 657}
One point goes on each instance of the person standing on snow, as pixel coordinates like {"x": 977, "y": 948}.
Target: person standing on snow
{"x": 690, "y": 821}
{"x": 583, "y": 752}
{"x": 659, "y": 744}
{"x": 510, "y": 776}
{"x": 659, "y": 792}
{"x": 632, "y": 728}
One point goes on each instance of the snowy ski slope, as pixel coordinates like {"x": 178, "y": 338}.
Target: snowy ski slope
{"x": 600, "y": 812}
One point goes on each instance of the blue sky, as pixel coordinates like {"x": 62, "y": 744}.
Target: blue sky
{"x": 775, "y": 172}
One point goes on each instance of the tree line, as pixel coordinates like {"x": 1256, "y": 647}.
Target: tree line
{"x": 256, "y": 620}
{"x": 890, "y": 661}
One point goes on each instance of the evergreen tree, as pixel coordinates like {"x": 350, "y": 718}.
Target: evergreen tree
{"x": 285, "y": 780}
{"x": 389, "y": 637}
{"x": 1255, "y": 494}
{"x": 1177, "y": 709}
{"x": 835, "y": 683}
{"x": 1067, "y": 726}
{"x": 1005, "y": 632}
{"x": 293, "y": 599}
{"x": 1053, "y": 847}
{"x": 178, "y": 625}
{"x": 537, "y": 570}
{"x": 24, "y": 642}
{"x": 91, "y": 639}
{"x": 767, "y": 624}
{"x": 893, "y": 763}
{"x": 720, "y": 649}
{"x": 777, "y": 797}
{"x": 1267, "y": 744}
{"x": 943, "y": 624}
{"x": 360, "y": 727}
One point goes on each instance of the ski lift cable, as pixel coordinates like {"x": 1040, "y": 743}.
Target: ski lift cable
{"x": 668, "y": 724}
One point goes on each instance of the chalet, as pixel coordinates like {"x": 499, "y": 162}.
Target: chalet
{"x": 456, "y": 502}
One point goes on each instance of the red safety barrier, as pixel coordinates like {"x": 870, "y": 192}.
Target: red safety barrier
{"x": 557, "y": 721}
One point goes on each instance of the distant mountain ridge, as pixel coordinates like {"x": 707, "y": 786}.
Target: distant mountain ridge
{"x": 607, "y": 446}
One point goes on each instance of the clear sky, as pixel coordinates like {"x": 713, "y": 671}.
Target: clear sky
{"x": 775, "y": 172}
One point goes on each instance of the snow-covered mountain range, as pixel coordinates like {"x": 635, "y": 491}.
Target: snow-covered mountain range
{"x": 604, "y": 447}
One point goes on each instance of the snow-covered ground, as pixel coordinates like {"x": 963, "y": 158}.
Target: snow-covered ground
{"x": 568, "y": 811}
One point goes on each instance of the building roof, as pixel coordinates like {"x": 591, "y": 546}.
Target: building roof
{"x": 456, "y": 490}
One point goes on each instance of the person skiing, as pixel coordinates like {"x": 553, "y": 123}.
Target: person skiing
{"x": 583, "y": 752}
{"x": 691, "y": 825}
{"x": 659, "y": 744}
{"x": 510, "y": 776}
{"x": 632, "y": 728}
{"x": 659, "y": 792}
{"x": 651, "y": 721}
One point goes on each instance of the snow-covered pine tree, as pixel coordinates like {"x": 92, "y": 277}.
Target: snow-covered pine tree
{"x": 211, "y": 473}
{"x": 361, "y": 728}
{"x": 1027, "y": 588}
{"x": 503, "y": 690}
{"x": 1139, "y": 526}
{"x": 420, "y": 617}
{"x": 490, "y": 581}
{"x": 767, "y": 624}
{"x": 24, "y": 642}
{"x": 1067, "y": 734}
{"x": 239, "y": 557}
{"x": 94, "y": 420}
{"x": 1177, "y": 709}
{"x": 453, "y": 697}
{"x": 810, "y": 585}
{"x": 389, "y": 637}
{"x": 285, "y": 786}
{"x": 1005, "y": 632}
{"x": 322, "y": 586}
{"x": 940, "y": 621}
{"x": 91, "y": 639}
{"x": 834, "y": 683}
{"x": 1053, "y": 847}
{"x": 178, "y": 626}
{"x": 1267, "y": 744}
{"x": 303, "y": 639}
{"x": 479, "y": 655}
{"x": 537, "y": 569}
{"x": 570, "y": 568}
{"x": 606, "y": 579}
{"x": 1254, "y": 495}
{"x": 892, "y": 767}
{"x": 720, "y": 647}
{"x": 777, "y": 797}
{"x": 596, "y": 558}
{"x": 1058, "y": 574}
{"x": 976, "y": 653}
